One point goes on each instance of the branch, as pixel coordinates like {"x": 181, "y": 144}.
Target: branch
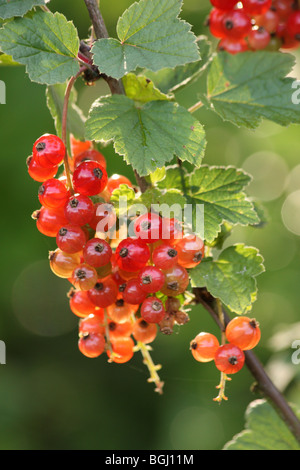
{"x": 264, "y": 383}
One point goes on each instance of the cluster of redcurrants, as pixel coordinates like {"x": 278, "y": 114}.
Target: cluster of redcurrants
{"x": 255, "y": 24}
{"x": 242, "y": 334}
{"x": 122, "y": 289}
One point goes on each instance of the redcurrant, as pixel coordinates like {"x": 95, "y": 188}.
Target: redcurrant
{"x": 165, "y": 256}
{"x": 152, "y": 310}
{"x": 132, "y": 255}
{"x": 53, "y": 193}
{"x": 79, "y": 210}
{"x": 243, "y": 332}
{"x": 104, "y": 292}
{"x": 97, "y": 252}
{"x": 204, "y": 347}
{"x": 71, "y": 238}
{"x": 89, "y": 178}
{"x": 49, "y": 150}
{"x": 39, "y": 173}
{"x": 229, "y": 358}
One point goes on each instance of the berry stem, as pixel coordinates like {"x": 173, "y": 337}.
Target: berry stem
{"x": 222, "y": 385}
{"x": 195, "y": 107}
{"x": 264, "y": 383}
{"x": 64, "y": 124}
{"x": 147, "y": 359}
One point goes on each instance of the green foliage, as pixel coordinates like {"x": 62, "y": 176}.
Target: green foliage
{"x": 147, "y": 136}
{"x": 46, "y": 43}
{"x": 150, "y": 36}
{"x": 10, "y": 8}
{"x": 141, "y": 89}
{"x": 264, "y": 430}
{"x": 231, "y": 278}
{"x": 245, "y": 88}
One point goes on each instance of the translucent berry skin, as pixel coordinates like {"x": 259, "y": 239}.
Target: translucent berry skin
{"x": 143, "y": 331}
{"x": 151, "y": 279}
{"x": 89, "y": 178}
{"x": 104, "y": 293}
{"x": 92, "y": 324}
{"x": 225, "y": 5}
{"x": 97, "y": 252}
{"x": 103, "y": 213}
{"x": 120, "y": 311}
{"x": 152, "y": 310}
{"x": 92, "y": 345}
{"x": 49, "y": 150}
{"x": 122, "y": 350}
{"x": 165, "y": 256}
{"x": 90, "y": 154}
{"x": 84, "y": 277}
{"x": 79, "y": 210}
{"x": 53, "y": 193}
{"x": 256, "y": 7}
{"x": 78, "y": 146}
{"x": 236, "y": 24}
{"x": 204, "y": 347}
{"x": 284, "y": 8}
{"x": 293, "y": 25}
{"x": 176, "y": 281}
{"x": 190, "y": 251}
{"x": 216, "y": 23}
{"x": 71, "y": 238}
{"x": 229, "y": 359}
{"x": 243, "y": 332}
{"x": 147, "y": 228}
{"x": 233, "y": 46}
{"x": 49, "y": 221}
{"x": 132, "y": 255}
{"x": 38, "y": 173}
{"x": 115, "y": 180}
{"x": 81, "y": 305}
{"x": 133, "y": 293}
{"x": 269, "y": 21}
{"x": 119, "y": 330}
{"x": 259, "y": 39}
{"x": 63, "y": 264}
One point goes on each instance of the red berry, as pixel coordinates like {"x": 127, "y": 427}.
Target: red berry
{"x": 63, "y": 264}
{"x": 259, "y": 38}
{"x": 165, "y": 256}
{"x": 190, "y": 251}
{"x": 81, "y": 305}
{"x": 84, "y": 277}
{"x": 171, "y": 230}
{"x": 90, "y": 154}
{"x": 115, "y": 180}
{"x": 97, "y": 252}
{"x": 104, "y": 293}
{"x": 283, "y": 8}
{"x": 204, "y": 347}
{"x": 256, "y": 7}
{"x": 133, "y": 293}
{"x": 49, "y": 150}
{"x": 89, "y": 178}
{"x": 132, "y": 255}
{"x": 236, "y": 24}
{"x": 93, "y": 323}
{"x": 243, "y": 332}
{"x": 53, "y": 193}
{"x": 92, "y": 345}
{"x": 39, "y": 173}
{"x": 120, "y": 311}
{"x": 176, "y": 281}
{"x": 122, "y": 350}
{"x": 79, "y": 210}
{"x": 269, "y": 21}
{"x": 104, "y": 213}
{"x": 216, "y": 23}
{"x": 147, "y": 227}
{"x": 293, "y": 25}
{"x": 70, "y": 238}
{"x": 152, "y": 310}
{"x": 143, "y": 331}
{"x": 151, "y": 279}
{"x": 233, "y": 46}
{"x": 77, "y": 146}
{"x": 224, "y": 4}
{"x": 119, "y": 330}
{"x": 229, "y": 358}
{"x": 49, "y": 221}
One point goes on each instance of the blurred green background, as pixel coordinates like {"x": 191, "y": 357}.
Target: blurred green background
{"x": 52, "y": 397}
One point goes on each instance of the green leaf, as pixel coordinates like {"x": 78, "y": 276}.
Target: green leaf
{"x": 7, "y": 60}
{"x": 220, "y": 191}
{"x": 245, "y": 88}
{"x": 170, "y": 80}
{"x": 264, "y": 430}
{"x": 124, "y": 191}
{"x": 150, "y": 36}
{"x": 169, "y": 203}
{"x": 55, "y": 100}
{"x": 46, "y": 43}
{"x": 232, "y": 277}
{"x": 10, "y": 8}
{"x": 147, "y": 136}
{"x": 141, "y": 89}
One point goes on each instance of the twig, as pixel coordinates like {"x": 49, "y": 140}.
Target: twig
{"x": 264, "y": 383}
{"x": 154, "y": 377}
{"x": 195, "y": 107}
